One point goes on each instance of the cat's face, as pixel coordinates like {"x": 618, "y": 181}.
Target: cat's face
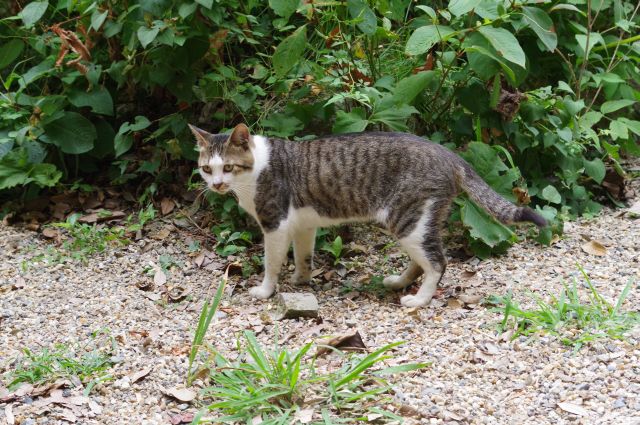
{"x": 225, "y": 160}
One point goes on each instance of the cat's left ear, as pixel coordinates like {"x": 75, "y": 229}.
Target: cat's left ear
{"x": 202, "y": 137}
{"x": 240, "y": 137}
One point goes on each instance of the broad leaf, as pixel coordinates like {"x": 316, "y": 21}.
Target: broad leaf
{"x": 425, "y": 37}
{"x": 146, "y": 35}
{"x": 551, "y": 194}
{"x": 98, "y": 99}
{"x": 505, "y": 44}
{"x": 363, "y": 15}
{"x": 460, "y": 7}
{"x": 206, "y": 3}
{"x": 10, "y": 51}
{"x": 542, "y": 25}
{"x": 289, "y": 51}
{"x": 614, "y": 105}
{"x": 350, "y": 122}
{"x": 484, "y": 227}
{"x": 408, "y": 88}
{"x": 98, "y": 18}
{"x": 284, "y": 8}
{"x": 595, "y": 169}
{"x": 395, "y": 118}
{"x": 122, "y": 143}
{"x": 32, "y": 12}
{"x": 72, "y": 133}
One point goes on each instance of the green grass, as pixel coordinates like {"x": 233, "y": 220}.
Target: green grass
{"x": 574, "y": 321}
{"x": 88, "y": 362}
{"x": 275, "y": 383}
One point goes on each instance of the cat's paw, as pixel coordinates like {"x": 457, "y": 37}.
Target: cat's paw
{"x": 298, "y": 278}
{"x": 395, "y": 282}
{"x": 261, "y": 292}
{"x": 414, "y": 301}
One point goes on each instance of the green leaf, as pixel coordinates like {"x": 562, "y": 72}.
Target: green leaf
{"x": 72, "y": 133}
{"x": 32, "y": 12}
{"x": 10, "y": 52}
{"x": 551, "y": 194}
{"x": 15, "y": 169}
{"x": 97, "y": 19}
{"x": 395, "y": 118}
{"x": 146, "y": 35}
{"x": 362, "y": 13}
{"x": 122, "y": 143}
{"x": 205, "y": 3}
{"x": 408, "y": 88}
{"x": 484, "y": 227}
{"x": 350, "y": 122}
{"x": 98, "y": 99}
{"x": 632, "y": 125}
{"x": 618, "y": 130}
{"x": 505, "y": 44}
{"x": 594, "y": 38}
{"x": 542, "y": 25}
{"x": 425, "y": 37}
{"x": 460, "y": 7}
{"x": 186, "y": 9}
{"x": 284, "y": 8}
{"x": 595, "y": 169}
{"x": 614, "y": 105}
{"x": 289, "y": 51}
{"x": 140, "y": 123}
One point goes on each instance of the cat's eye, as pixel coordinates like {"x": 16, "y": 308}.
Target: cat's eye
{"x": 206, "y": 169}
{"x": 227, "y": 168}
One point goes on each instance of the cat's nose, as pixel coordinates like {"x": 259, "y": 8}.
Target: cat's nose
{"x": 218, "y": 186}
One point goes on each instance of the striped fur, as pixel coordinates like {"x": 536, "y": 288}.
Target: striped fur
{"x": 400, "y": 180}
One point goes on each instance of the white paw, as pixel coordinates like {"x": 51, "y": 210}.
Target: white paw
{"x": 394, "y": 282}
{"x": 297, "y": 278}
{"x": 261, "y": 292}
{"x": 414, "y": 301}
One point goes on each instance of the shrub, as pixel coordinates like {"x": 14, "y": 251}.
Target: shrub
{"x": 538, "y": 96}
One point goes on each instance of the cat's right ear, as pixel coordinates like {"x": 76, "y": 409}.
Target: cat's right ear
{"x": 202, "y": 137}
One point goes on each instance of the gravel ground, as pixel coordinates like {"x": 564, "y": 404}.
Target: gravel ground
{"x": 476, "y": 376}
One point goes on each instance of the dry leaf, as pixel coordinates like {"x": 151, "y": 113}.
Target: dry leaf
{"x": 182, "y": 418}
{"x": 183, "y": 394}
{"x": 178, "y": 293}
{"x": 594, "y": 248}
{"x": 470, "y": 298}
{"x": 634, "y": 209}
{"x": 573, "y": 408}
{"x": 162, "y": 234}
{"x": 95, "y": 407}
{"x": 166, "y": 206}
{"x": 50, "y": 233}
{"x": 454, "y": 303}
{"x": 136, "y": 376}
{"x": 257, "y": 420}
{"x": 303, "y": 416}
{"x": 145, "y": 285}
{"x": 345, "y": 342}
{"x": 159, "y": 278}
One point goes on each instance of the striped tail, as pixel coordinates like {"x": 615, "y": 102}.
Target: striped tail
{"x": 482, "y": 194}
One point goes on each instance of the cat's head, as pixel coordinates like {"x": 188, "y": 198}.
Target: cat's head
{"x": 224, "y": 159}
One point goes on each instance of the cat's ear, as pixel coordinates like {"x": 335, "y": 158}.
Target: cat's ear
{"x": 240, "y": 136}
{"x": 202, "y": 137}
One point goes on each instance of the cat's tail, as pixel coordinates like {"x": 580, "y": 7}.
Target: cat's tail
{"x": 482, "y": 194}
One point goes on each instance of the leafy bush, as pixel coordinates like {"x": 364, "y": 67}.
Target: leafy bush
{"x": 540, "y": 97}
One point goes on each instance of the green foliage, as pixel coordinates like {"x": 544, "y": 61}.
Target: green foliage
{"x": 83, "y": 361}
{"x": 334, "y": 248}
{"x": 573, "y": 321}
{"x": 549, "y": 87}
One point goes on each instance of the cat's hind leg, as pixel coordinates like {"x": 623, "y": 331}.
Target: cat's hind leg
{"x": 276, "y": 245}
{"x": 407, "y": 277}
{"x": 303, "y": 242}
{"x": 424, "y": 246}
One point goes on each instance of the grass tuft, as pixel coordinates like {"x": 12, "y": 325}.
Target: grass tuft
{"x": 573, "y": 321}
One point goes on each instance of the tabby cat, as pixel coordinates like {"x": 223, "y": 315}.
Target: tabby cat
{"x": 399, "y": 180}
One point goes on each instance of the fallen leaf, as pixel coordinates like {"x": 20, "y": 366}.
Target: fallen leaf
{"x": 594, "y": 248}
{"x": 303, "y": 416}
{"x": 100, "y": 216}
{"x": 183, "y": 394}
{"x": 182, "y": 418}
{"x": 373, "y": 416}
{"x": 257, "y": 420}
{"x": 67, "y": 415}
{"x": 159, "y": 278}
{"x": 344, "y": 342}
{"x": 573, "y": 408}
{"x": 95, "y": 407}
{"x": 166, "y": 206}
{"x": 50, "y": 232}
{"x": 634, "y": 209}
{"x": 162, "y": 234}
{"x": 470, "y": 298}
{"x": 178, "y": 293}
{"x": 454, "y": 303}
{"x": 145, "y": 285}
{"x": 136, "y": 376}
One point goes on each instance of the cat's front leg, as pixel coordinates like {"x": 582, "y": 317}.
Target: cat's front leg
{"x": 276, "y": 245}
{"x": 303, "y": 243}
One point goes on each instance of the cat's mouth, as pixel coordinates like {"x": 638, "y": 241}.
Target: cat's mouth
{"x": 221, "y": 188}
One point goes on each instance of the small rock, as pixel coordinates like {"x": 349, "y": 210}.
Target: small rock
{"x": 619, "y": 403}
{"x": 293, "y": 305}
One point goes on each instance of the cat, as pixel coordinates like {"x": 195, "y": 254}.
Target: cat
{"x": 402, "y": 181}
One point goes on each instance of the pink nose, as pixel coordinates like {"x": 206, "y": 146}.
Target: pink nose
{"x": 217, "y": 185}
